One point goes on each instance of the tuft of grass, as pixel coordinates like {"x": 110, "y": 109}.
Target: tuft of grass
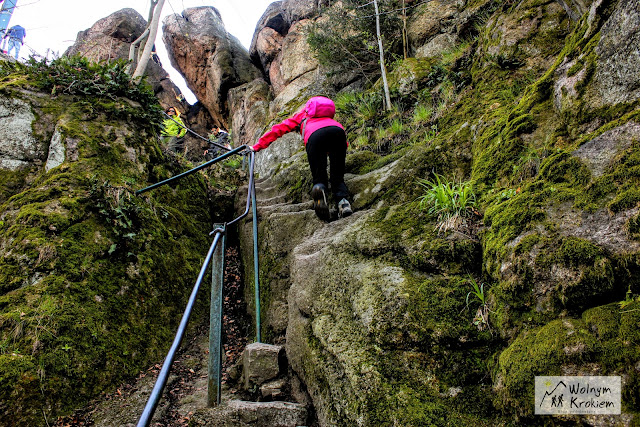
{"x": 430, "y": 134}
{"x": 396, "y": 127}
{"x": 481, "y": 319}
{"x": 367, "y": 109}
{"x": 629, "y": 299}
{"x": 382, "y": 133}
{"x": 345, "y": 100}
{"x": 451, "y": 202}
{"x": 477, "y": 291}
{"x": 422, "y": 114}
{"x": 451, "y": 55}
{"x": 361, "y": 141}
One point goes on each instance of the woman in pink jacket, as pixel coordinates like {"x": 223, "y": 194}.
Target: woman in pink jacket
{"x": 322, "y": 135}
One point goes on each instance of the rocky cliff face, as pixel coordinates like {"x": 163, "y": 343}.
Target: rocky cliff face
{"x": 536, "y": 103}
{"x": 92, "y": 277}
{"x": 110, "y": 39}
{"x": 211, "y": 60}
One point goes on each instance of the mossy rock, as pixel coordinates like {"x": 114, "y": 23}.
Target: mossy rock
{"x": 393, "y": 337}
{"x": 605, "y": 341}
{"x": 377, "y": 305}
{"x": 360, "y": 161}
{"x": 93, "y": 279}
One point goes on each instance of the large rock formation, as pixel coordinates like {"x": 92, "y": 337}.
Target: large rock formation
{"x": 249, "y": 105}
{"x": 376, "y": 309}
{"x": 279, "y": 45}
{"x": 211, "y": 60}
{"x": 431, "y": 22}
{"x": 267, "y": 39}
{"x": 110, "y": 38}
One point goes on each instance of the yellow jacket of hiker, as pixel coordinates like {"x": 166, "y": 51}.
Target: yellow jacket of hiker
{"x": 171, "y": 128}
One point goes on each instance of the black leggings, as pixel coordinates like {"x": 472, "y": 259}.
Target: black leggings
{"x": 329, "y": 140}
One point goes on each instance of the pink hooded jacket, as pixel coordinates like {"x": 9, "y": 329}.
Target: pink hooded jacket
{"x": 316, "y": 114}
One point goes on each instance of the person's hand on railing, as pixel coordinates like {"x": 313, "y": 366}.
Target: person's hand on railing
{"x": 249, "y": 149}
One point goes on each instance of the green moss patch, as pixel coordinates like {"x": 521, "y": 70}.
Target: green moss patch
{"x": 93, "y": 279}
{"x": 606, "y": 339}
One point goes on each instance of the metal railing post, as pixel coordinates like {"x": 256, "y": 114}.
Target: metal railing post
{"x": 256, "y": 270}
{"x": 215, "y": 325}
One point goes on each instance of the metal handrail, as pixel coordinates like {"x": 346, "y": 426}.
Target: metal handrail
{"x": 156, "y": 393}
{"x": 154, "y": 398}
{"x": 197, "y": 168}
{"x": 251, "y": 201}
{"x": 256, "y": 271}
{"x": 251, "y": 188}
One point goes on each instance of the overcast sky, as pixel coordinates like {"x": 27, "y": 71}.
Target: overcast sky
{"x": 54, "y": 24}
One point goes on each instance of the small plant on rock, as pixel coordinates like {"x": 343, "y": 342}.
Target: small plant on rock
{"x": 452, "y": 202}
{"x": 481, "y": 319}
{"x": 396, "y": 127}
{"x": 629, "y": 299}
{"x": 422, "y": 114}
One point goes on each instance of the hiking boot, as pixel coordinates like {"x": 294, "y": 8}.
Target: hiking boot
{"x": 344, "y": 208}
{"x": 320, "y": 205}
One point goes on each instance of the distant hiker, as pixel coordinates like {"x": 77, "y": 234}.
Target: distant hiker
{"x": 220, "y": 136}
{"x": 16, "y": 35}
{"x": 322, "y": 136}
{"x": 173, "y": 130}
{"x": 217, "y": 136}
{"x": 154, "y": 55}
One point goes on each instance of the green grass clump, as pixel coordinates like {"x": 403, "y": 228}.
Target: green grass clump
{"x": 396, "y": 127}
{"x": 451, "y": 202}
{"x": 422, "y": 114}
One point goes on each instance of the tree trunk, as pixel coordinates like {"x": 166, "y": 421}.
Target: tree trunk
{"x": 387, "y": 97}
{"x": 405, "y": 36}
{"x": 133, "y": 51}
{"x": 143, "y": 42}
{"x": 146, "y": 53}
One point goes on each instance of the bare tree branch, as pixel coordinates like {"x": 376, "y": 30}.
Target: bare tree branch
{"x": 153, "y": 31}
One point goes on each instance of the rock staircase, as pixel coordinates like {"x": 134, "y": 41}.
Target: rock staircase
{"x": 270, "y": 199}
{"x": 263, "y": 379}
{"x": 262, "y": 374}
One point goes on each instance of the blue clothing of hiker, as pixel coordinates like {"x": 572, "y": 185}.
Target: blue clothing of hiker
{"x": 16, "y": 35}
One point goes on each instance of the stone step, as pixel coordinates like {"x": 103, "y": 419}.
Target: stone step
{"x": 264, "y": 369}
{"x": 261, "y": 363}
{"x": 268, "y": 192}
{"x": 239, "y": 413}
{"x": 284, "y": 207}
{"x": 277, "y": 199}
